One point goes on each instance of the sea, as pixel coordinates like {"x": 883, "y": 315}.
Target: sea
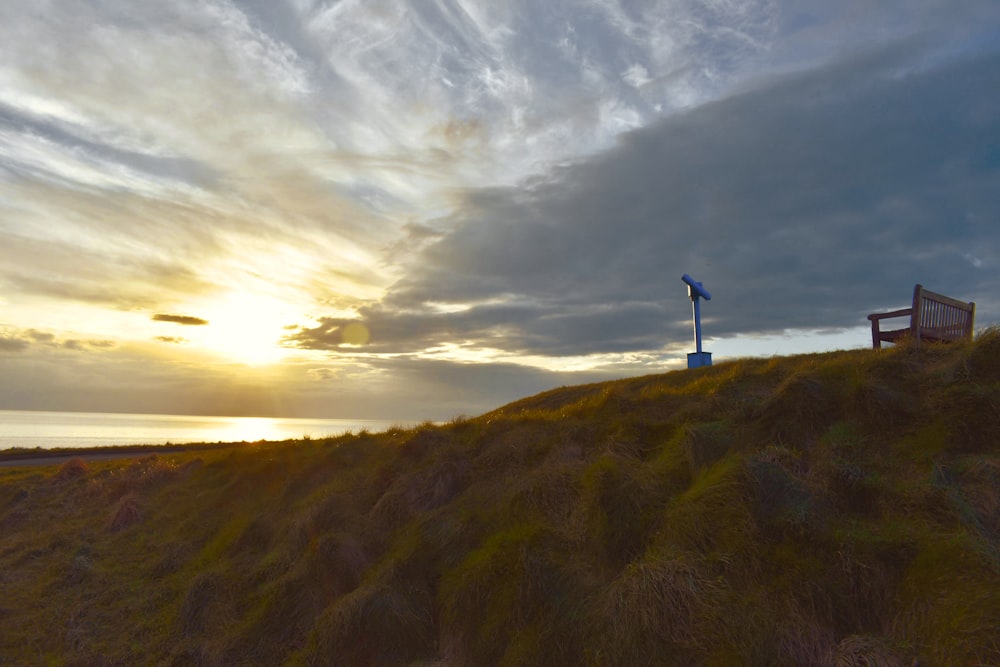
{"x": 30, "y": 429}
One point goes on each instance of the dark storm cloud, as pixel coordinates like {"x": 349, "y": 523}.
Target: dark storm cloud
{"x": 553, "y": 330}
{"x": 803, "y": 204}
{"x": 413, "y": 332}
{"x": 186, "y": 320}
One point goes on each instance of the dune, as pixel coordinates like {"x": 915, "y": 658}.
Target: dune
{"x": 825, "y": 509}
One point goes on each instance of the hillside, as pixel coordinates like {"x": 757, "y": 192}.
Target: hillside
{"x": 828, "y": 509}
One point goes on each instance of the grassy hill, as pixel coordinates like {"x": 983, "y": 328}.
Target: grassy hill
{"x": 828, "y": 509}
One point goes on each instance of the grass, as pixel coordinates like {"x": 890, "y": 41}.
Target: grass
{"x": 824, "y": 509}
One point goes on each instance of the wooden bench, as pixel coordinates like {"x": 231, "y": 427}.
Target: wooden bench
{"x": 932, "y": 317}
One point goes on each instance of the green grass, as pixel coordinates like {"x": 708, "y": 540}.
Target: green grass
{"x": 823, "y": 509}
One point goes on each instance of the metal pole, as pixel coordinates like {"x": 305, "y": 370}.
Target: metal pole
{"x": 695, "y": 301}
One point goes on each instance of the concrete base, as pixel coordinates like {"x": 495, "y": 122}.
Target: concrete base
{"x": 699, "y": 359}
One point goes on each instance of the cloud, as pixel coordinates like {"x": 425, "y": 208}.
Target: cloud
{"x": 420, "y": 388}
{"x": 127, "y": 379}
{"x": 43, "y": 337}
{"x": 322, "y": 374}
{"x": 159, "y": 177}
{"x": 174, "y": 340}
{"x": 186, "y": 320}
{"x": 803, "y": 204}
{"x": 36, "y": 339}
{"x": 11, "y": 344}
{"x": 139, "y": 378}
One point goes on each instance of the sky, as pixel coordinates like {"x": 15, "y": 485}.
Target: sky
{"x": 426, "y": 209}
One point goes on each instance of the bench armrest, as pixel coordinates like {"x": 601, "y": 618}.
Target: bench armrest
{"x": 892, "y": 313}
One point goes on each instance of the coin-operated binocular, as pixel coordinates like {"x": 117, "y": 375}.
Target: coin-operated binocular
{"x": 697, "y": 292}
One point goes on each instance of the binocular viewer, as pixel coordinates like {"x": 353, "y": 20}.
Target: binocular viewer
{"x": 695, "y": 288}
{"x": 696, "y": 292}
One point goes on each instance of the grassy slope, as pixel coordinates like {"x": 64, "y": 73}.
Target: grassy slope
{"x": 840, "y": 508}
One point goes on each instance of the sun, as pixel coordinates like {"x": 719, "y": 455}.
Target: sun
{"x": 246, "y": 328}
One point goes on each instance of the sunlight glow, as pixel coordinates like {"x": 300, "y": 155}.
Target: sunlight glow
{"x": 246, "y": 328}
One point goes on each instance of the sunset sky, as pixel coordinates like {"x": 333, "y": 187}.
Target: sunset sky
{"x": 416, "y": 210}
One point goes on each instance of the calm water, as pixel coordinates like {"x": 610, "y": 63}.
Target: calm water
{"x": 19, "y": 428}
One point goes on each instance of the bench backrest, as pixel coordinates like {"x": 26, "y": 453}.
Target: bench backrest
{"x": 938, "y": 316}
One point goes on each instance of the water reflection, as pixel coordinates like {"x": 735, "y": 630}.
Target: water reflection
{"x": 91, "y": 429}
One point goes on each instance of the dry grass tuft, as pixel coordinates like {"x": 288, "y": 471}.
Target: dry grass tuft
{"x": 73, "y": 469}
{"x": 340, "y": 563}
{"x": 707, "y": 443}
{"x": 984, "y": 357}
{"x": 785, "y": 502}
{"x": 375, "y": 625}
{"x": 551, "y": 492}
{"x": 419, "y": 491}
{"x": 658, "y": 606}
{"x": 126, "y": 513}
{"x": 971, "y": 413}
{"x": 145, "y": 473}
{"x": 622, "y": 503}
{"x": 207, "y": 607}
{"x": 800, "y": 409}
{"x": 514, "y": 600}
{"x": 864, "y": 651}
{"x": 80, "y": 569}
{"x": 423, "y": 442}
{"x": 981, "y": 484}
